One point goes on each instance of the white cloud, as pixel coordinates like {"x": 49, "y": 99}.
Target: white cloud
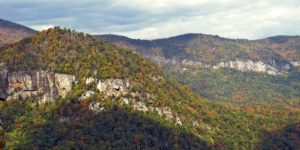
{"x": 41, "y": 27}
{"x": 164, "y": 5}
{"x": 249, "y": 21}
{"x": 160, "y": 18}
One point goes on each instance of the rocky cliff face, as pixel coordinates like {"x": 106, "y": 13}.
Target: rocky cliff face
{"x": 107, "y": 87}
{"x": 121, "y": 91}
{"x": 45, "y": 85}
{"x": 256, "y": 66}
{"x": 272, "y": 68}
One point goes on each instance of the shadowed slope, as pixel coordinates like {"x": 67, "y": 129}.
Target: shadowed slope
{"x": 73, "y": 126}
{"x": 287, "y": 138}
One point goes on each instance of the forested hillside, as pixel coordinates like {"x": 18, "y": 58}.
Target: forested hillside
{"x": 243, "y": 88}
{"x": 145, "y": 110}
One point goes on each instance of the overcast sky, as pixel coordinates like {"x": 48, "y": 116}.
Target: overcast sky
{"x": 150, "y": 19}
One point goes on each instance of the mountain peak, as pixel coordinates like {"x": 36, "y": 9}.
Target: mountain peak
{"x": 12, "y": 25}
{"x": 12, "y": 32}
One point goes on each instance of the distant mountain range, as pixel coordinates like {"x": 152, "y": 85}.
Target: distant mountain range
{"x": 272, "y": 55}
{"x": 12, "y": 32}
{"x": 264, "y": 70}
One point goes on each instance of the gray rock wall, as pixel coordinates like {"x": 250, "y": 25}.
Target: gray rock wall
{"x": 256, "y": 66}
{"x": 45, "y": 85}
{"x": 108, "y": 87}
{"x": 272, "y": 67}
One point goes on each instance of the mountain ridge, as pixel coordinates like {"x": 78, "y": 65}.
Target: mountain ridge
{"x": 194, "y": 59}
{"x": 11, "y": 32}
{"x": 200, "y": 34}
{"x": 278, "y": 53}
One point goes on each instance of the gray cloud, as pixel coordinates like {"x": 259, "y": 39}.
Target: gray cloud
{"x": 160, "y": 18}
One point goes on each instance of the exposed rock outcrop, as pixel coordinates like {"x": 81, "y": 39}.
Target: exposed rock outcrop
{"x": 96, "y": 107}
{"x": 257, "y": 66}
{"x": 90, "y": 80}
{"x": 140, "y": 106}
{"x": 64, "y": 83}
{"x": 113, "y": 87}
{"x": 107, "y": 87}
{"x": 86, "y": 95}
{"x": 45, "y": 85}
{"x": 120, "y": 90}
{"x": 295, "y": 63}
{"x": 271, "y": 67}
{"x": 178, "y": 121}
